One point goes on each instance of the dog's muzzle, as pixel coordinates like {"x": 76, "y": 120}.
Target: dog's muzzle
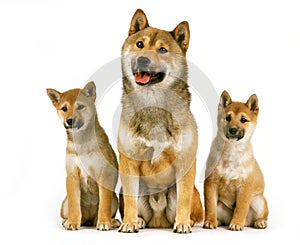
{"x": 144, "y": 74}
{"x": 235, "y": 133}
{"x": 72, "y": 123}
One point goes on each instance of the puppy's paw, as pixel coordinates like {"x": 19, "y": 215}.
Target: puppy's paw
{"x": 208, "y": 224}
{"x": 182, "y": 228}
{"x": 141, "y": 223}
{"x": 129, "y": 227}
{"x": 103, "y": 226}
{"x": 115, "y": 223}
{"x": 260, "y": 224}
{"x": 70, "y": 225}
{"x": 235, "y": 227}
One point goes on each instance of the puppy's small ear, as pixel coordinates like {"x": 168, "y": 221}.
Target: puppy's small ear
{"x": 225, "y": 100}
{"x": 252, "y": 103}
{"x": 181, "y": 34}
{"x": 138, "y": 22}
{"x": 54, "y": 96}
{"x": 89, "y": 90}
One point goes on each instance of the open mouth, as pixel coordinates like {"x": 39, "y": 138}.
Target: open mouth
{"x": 145, "y": 78}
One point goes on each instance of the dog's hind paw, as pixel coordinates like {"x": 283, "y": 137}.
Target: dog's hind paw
{"x": 182, "y": 228}
{"x": 115, "y": 223}
{"x": 129, "y": 227}
{"x": 260, "y": 224}
{"x": 141, "y": 223}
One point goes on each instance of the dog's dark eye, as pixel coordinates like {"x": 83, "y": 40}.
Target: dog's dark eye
{"x": 140, "y": 44}
{"x": 243, "y": 120}
{"x": 228, "y": 118}
{"x": 64, "y": 108}
{"x": 80, "y": 107}
{"x": 162, "y": 50}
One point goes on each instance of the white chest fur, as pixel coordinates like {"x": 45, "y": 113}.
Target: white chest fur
{"x": 89, "y": 159}
{"x": 233, "y": 164}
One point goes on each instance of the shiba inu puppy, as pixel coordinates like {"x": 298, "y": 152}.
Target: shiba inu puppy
{"x": 234, "y": 184}
{"x": 91, "y": 164}
{"x": 157, "y": 138}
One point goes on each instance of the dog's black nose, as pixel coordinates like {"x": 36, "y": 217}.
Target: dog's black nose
{"x": 70, "y": 121}
{"x": 233, "y": 130}
{"x": 143, "y": 61}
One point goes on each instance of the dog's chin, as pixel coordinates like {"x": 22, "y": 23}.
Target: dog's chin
{"x": 233, "y": 138}
{"x": 74, "y": 128}
{"x": 144, "y": 78}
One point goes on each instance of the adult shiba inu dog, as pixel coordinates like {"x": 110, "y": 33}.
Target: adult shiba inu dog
{"x": 157, "y": 138}
{"x": 91, "y": 164}
{"x": 234, "y": 184}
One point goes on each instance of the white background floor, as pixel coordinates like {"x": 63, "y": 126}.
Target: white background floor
{"x": 244, "y": 47}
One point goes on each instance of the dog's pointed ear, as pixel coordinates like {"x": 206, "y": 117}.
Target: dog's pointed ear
{"x": 181, "y": 34}
{"x": 54, "y": 96}
{"x": 89, "y": 90}
{"x": 252, "y": 103}
{"x": 225, "y": 100}
{"x": 138, "y": 22}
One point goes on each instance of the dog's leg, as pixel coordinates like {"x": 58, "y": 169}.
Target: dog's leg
{"x": 196, "y": 208}
{"x": 224, "y": 214}
{"x": 73, "y": 194}
{"x": 241, "y": 210}
{"x": 145, "y": 211}
{"x": 185, "y": 189}
{"x": 64, "y": 210}
{"x": 104, "y": 210}
{"x": 129, "y": 174}
{"x": 115, "y": 223}
{"x": 259, "y": 208}
{"x": 210, "y": 202}
{"x": 172, "y": 204}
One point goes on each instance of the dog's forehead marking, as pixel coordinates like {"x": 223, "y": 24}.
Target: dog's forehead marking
{"x": 152, "y": 40}
{"x": 70, "y": 96}
{"x": 238, "y": 113}
{"x": 161, "y": 40}
{"x": 156, "y": 37}
{"x": 145, "y": 39}
{"x": 237, "y": 108}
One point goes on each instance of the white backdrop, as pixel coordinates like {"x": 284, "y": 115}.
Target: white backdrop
{"x": 244, "y": 47}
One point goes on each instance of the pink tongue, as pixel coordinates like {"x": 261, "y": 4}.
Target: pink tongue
{"x": 142, "y": 77}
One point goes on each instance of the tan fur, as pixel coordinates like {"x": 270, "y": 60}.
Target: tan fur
{"x": 91, "y": 164}
{"x": 157, "y": 135}
{"x": 234, "y": 184}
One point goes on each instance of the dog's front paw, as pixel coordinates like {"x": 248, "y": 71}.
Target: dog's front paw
{"x": 103, "y": 226}
{"x": 260, "y": 224}
{"x": 70, "y": 225}
{"x": 129, "y": 227}
{"x": 182, "y": 228}
{"x": 208, "y": 224}
{"x": 235, "y": 227}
